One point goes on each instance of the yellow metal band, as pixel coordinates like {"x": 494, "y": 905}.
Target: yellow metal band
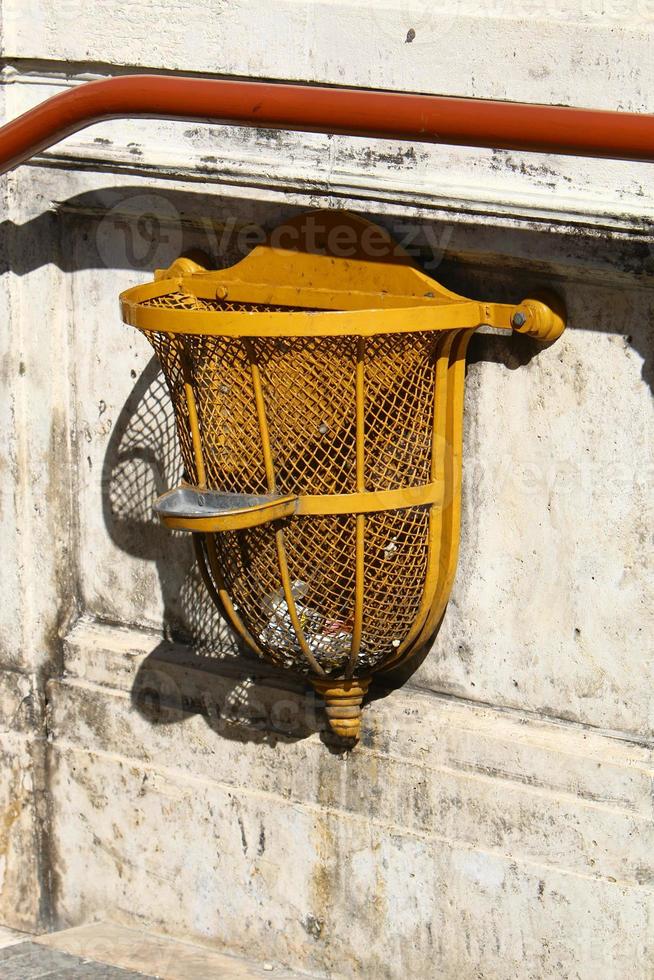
{"x": 311, "y": 505}
{"x": 367, "y": 502}
{"x": 463, "y": 315}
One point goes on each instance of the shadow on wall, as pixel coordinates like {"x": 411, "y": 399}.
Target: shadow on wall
{"x": 201, "y": 667}
{"x": 141, "y": 230}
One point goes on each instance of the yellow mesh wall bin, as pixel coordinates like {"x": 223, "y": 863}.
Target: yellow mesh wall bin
{"x": 318, "y": 392}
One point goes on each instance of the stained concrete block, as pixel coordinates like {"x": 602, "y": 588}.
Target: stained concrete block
{"x": 22, "y": 841}
{"x": 487, "y": 828}
{"x": 550, "y": 609}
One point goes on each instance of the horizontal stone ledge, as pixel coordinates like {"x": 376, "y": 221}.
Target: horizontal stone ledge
{"x": 201, "y": 862}
{"x": 218, "y": 216}
{"x": 453, "y": 199}
{"x": 546, "y": 839}
{"x": 552, "y": 792}
{"x": 111, "y": 655}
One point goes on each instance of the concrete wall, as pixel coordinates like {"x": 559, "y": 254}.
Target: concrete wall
{"x": 496, "y": 820}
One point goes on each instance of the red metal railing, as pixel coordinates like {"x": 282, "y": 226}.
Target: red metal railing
{"x": 357, "y": 112}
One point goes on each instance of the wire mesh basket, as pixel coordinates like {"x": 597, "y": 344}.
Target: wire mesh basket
{"x": 318, "y": 397}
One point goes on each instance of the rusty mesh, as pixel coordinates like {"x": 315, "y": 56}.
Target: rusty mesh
{"x": 309, "y": 392}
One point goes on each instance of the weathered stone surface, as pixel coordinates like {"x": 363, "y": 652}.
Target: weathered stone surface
{"x": 21, "y": 802}
{"x": 487, "y": 828}
{"x": 455, "y": 908}
{"x": 569, "y": 61}
{"x": 551, "y": 606}
{"x": 497, "y": 819}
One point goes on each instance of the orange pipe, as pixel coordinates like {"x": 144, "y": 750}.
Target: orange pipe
{"x": 356, "y": 112}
